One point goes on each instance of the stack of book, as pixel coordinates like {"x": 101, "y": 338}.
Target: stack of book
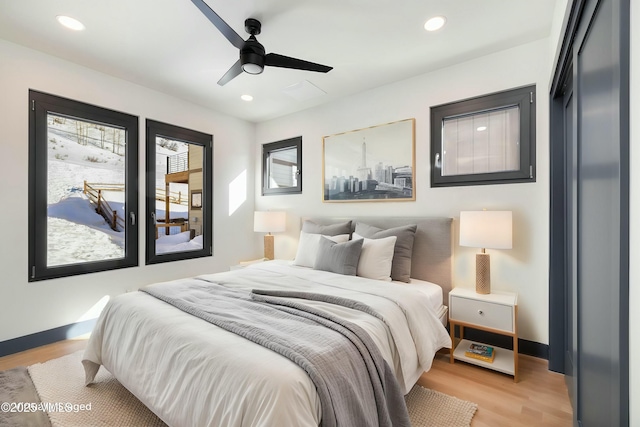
{"x": 481, "y": 352}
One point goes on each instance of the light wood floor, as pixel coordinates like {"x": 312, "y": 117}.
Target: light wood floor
{"x": 44, "y": 353}
{"x": 539, "y": 398}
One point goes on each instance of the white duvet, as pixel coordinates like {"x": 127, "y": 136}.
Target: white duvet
{"x": 192, "y": 373}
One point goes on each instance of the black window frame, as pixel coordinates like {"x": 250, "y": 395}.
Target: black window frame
{"x": 525, "y": 99}
{"x": 40, "y": 105}
{"x": 270, "y": 147}
{"x": 154, "y": 129}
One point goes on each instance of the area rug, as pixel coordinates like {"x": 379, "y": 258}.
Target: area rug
{"x": 430, "y": 408}
{"x": 16, "y": 390}
{"x": 61, "y": 382}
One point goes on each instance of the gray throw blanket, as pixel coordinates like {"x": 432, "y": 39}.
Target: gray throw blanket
{"x": 355, "y": 385}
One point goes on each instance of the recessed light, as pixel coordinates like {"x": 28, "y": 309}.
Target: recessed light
{"x": 481, "y": 128}
{"x": 246, "y": 98}
{"x": 71, "y": 23}
{"x": 435, "y": 23}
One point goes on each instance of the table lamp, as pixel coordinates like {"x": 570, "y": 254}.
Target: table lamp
{"x": 269, "y": 222}
{"x": 486, "y": 230}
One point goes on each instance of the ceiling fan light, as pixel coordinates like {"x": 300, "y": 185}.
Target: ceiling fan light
{"x": 435, "y": 23}
{"x": 252, "y": 68}
{"x": 252, "y": 58}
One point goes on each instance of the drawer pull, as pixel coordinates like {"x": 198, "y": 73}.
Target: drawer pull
{"x": 480, "y": 312}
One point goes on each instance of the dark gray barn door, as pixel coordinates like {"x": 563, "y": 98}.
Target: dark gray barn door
{"x": 600, "y": 222}
{"x": 571, "y": 238}
{"x": 589, "y": 291}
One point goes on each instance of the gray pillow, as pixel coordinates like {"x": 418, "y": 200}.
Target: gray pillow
{"x": 401, "y": 264}
{"x": 341, "y": 258}
{"x": 328, "y": 230}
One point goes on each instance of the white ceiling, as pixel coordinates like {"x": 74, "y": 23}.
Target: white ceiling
{"x": 170, "y": 46}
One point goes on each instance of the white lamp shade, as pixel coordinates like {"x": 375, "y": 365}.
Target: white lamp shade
{"x": 486, "y": 229}
{"x": 269, "y": 222}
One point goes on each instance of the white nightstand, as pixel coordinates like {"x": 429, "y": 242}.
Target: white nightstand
{"x": 496, "y": 312}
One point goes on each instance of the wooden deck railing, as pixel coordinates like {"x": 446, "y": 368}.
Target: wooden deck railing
{"x": 94, "y": 193}
{"x": 174, "y": 197}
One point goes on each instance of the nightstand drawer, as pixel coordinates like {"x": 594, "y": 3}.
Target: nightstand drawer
{"x": 482, "y": 313}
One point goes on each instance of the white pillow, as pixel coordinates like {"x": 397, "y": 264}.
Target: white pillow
{"x": 376, "y": 257}
{"x": 308, "y": 247}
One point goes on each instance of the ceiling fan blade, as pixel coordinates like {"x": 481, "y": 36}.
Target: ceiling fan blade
{"x": 232, "y": 73}
{"x": 275, "y": 60}
{"x": 219, "y": 23}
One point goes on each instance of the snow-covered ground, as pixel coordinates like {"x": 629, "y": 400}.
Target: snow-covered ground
{"x": 178, "y": 243}
{"x": 75, "y": 232}
{"x": 72, "y": 243}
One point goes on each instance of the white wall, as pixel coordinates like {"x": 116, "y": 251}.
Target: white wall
{"x": 634, "y": 214}
{"x": 560, "y": 14}
{"x": 523, "y": 269}
{"x": 32, "y": 307}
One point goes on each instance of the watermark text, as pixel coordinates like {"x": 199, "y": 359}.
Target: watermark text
{"x": 50, "y": 407}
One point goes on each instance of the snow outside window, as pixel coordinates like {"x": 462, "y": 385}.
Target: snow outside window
{"x": 179, "y": 193}
{"x": 83, "y": 196}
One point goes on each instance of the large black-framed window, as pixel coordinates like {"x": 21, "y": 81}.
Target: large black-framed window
{"x": 489, "y": 139}
{"x": 282, "y": 167}
{"x": 83, "y": 188}
{"x": 179, "y": 185}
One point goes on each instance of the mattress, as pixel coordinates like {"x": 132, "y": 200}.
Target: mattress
{"x": 190, "y": 372}
{"x": 432, "y": 291}
{"x": 434, "y": 294}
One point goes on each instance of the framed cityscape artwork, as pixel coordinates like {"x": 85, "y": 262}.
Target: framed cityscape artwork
{"x": 371, "y": 164}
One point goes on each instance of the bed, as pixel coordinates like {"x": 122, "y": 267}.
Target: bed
{"x": 191, "y": 372}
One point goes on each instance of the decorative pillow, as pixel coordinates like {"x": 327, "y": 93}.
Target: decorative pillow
{"x": 327, "y": 230}
{"x": 308, "y": 247}
{"x": 375, "y": 258}
{"x": 341, "y": 258}
{"x": 401, "y": 264}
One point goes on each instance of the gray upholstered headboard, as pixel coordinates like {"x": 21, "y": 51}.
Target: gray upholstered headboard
{"x": 432, "y": 258}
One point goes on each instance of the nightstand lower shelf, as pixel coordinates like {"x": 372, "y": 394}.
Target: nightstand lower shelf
{"x": 496, "y": 313}
{"x": 503, "y": 361}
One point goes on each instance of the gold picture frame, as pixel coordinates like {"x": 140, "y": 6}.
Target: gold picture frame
{"x": 370, "y": 165}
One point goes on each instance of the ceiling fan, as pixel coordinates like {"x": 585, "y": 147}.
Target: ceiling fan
{"x": 252, "y": 54}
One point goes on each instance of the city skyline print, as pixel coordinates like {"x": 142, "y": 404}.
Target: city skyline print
{"x": 371, "y": 164}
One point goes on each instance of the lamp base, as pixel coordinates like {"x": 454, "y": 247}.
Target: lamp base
{"x": 268, "y": 246}
{"x": 483, "y": 274}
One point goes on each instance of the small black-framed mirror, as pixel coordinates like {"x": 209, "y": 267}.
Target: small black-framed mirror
{"x": 282, "y": 167}
{"x": 179, "y": 193}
